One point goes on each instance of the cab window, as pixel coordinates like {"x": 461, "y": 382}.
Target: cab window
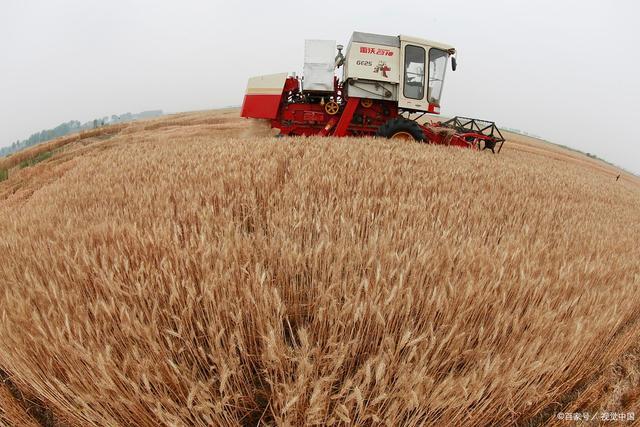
{"x": 414, "y": 66}
{"x": 437, "y": 67}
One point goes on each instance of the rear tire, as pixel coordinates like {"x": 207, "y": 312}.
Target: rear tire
{"x": 401, "y": 128}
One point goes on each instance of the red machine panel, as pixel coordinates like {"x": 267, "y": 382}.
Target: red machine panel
{"x": 259, "y": 106}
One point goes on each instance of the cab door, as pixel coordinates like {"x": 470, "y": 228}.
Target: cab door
{"x": 413, "y": 76}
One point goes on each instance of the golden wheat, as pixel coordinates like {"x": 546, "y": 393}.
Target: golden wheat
{"x": 183, "y": 276}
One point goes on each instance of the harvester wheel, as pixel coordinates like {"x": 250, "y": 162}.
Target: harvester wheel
{"x": 366, "y": 102}
{"x": 401, "y": 128}
{"x": 332, "y": 108}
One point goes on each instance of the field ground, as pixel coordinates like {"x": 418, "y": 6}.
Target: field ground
{"x": 193, "y": 270}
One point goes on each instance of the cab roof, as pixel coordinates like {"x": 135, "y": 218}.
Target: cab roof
{"x": 394, "y": 41}
{"x": 431, "y": 43}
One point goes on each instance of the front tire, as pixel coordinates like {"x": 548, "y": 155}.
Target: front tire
{"x": 401, "y": 128}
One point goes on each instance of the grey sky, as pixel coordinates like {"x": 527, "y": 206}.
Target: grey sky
{"x": 565, "y": 70}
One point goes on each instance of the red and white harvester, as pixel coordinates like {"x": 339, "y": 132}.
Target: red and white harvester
{"x": 388, "y": 83}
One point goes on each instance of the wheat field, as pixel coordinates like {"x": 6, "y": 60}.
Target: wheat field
{"x": 193, "y": 270}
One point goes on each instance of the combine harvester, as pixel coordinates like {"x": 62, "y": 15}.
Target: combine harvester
{"x": 388, "y": 84}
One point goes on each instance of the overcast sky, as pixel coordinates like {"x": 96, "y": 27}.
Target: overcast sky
{"x": 565, "y": 70}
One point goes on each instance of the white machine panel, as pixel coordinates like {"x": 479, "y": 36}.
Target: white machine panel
{"x": 270, "y": 84}
{"x": 319, "y": 65}
{"x": 373, "y": 62}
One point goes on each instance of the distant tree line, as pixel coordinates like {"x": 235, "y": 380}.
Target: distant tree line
{"x": 74, "y": 126}
{"x": 521, "y": 132}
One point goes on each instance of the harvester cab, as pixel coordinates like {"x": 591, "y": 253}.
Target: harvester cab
{"x": 406, "y": 70}
{"x": 388, "y": 84}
